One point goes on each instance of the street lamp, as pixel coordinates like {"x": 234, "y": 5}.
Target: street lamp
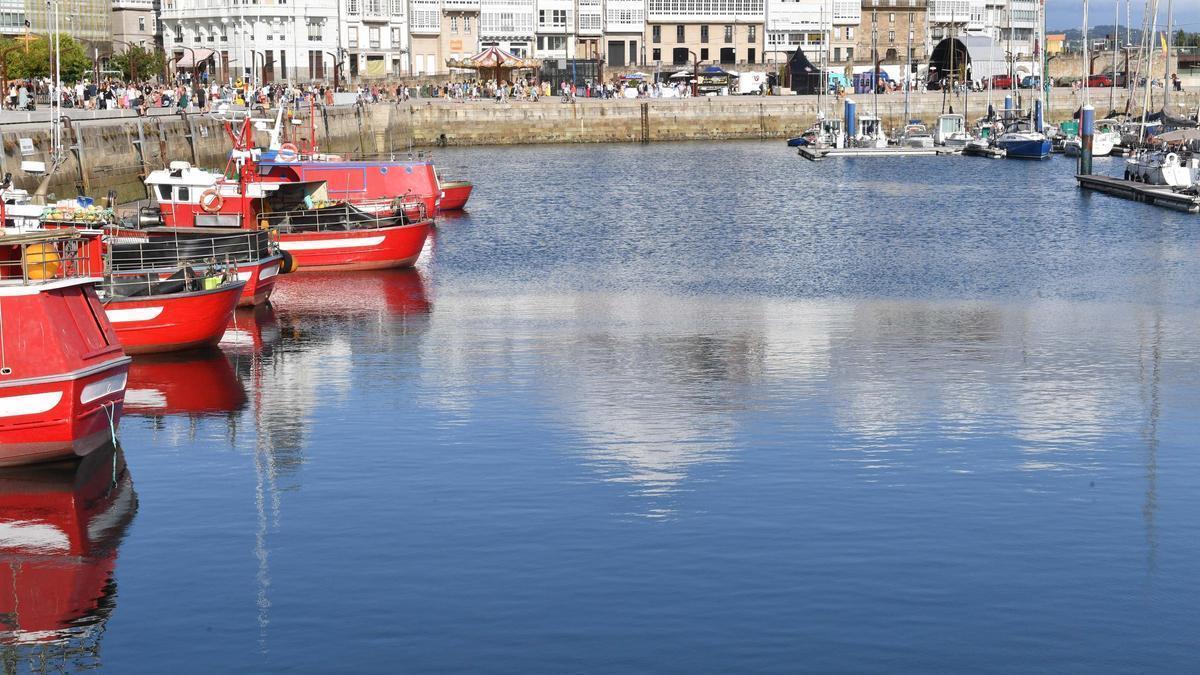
{"x": 129, "y": 56}
{"x": 337, "y": 68}
{"x": 695, "y": 72}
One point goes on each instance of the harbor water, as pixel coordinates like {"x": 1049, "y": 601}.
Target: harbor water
{"x": 676, "y": 408}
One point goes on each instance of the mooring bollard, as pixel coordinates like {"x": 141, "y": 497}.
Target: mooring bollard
{"x": 851, "y": 131}
{"x": 1087, "y": 127}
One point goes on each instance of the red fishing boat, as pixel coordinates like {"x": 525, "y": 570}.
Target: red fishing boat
{"x": 317, "y": 232}
{"x": 60, "y": 527}
{"x": 199, "y": 383}
{"x": 352, "y": 180}
{"x": 455, "y": 194}
{"x": 184, "y": 311}
{"x": 62, "y": 371}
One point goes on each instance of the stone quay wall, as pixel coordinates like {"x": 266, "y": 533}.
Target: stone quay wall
{"x": 114, "y": 152}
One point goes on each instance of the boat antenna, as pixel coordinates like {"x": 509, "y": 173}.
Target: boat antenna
{"x": 1087, "y": 66}
{"x": 1112, "y": 86}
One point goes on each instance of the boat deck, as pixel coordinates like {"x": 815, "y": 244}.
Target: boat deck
{"x": 1157, "y": 195}
{"x": 814, "y": 154}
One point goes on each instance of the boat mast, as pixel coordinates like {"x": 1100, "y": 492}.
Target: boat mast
{"x": 1087, "y": 68}
{"x": 1112, "y": 88}
{"x": 1167, "y": 58}
{"x": 908, "y": 67}
{"x": 875, "y": 63}
{"x": 1149, "y": 60}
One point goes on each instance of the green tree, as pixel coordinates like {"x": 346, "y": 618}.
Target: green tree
{"x": 138, "y": 61}
{"x": 36, "y": 61}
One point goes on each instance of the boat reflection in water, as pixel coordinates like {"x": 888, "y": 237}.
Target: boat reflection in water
{"x": 60, "y": 527}
{"x": 199, "y": 383}
{"x": 399, "y": 292}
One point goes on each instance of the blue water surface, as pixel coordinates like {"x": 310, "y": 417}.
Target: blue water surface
{"x": 679, "y": 408}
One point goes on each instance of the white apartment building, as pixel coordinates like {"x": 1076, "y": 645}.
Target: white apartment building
{"x": 509, "y": 25}
{"x": 624, "y": 27}
{"x": 797, "y": 24}
{"x": 12, "y": 17}
{"x": 297, "y": 40}
{"x": 996, "y": 19}
{"x": 680, "y": 32}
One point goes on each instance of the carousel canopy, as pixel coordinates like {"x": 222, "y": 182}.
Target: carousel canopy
{"x": 492, "y": 58}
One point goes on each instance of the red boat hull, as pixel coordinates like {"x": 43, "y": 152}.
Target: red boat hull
{"x": 174, "y": 322}
{"x": 379, "y": 248}
{"x": 260, "y": 277}
{"x": 42, "y": 421}
{"x": 358, "y": 180}
{"x": 455, "y": 194}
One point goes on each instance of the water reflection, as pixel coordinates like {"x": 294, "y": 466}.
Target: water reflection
{"x": 200, "y": 383}
{"x": 60, "y": 527}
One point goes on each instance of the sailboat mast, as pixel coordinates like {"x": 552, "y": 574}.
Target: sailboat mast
{"x": 875, "y": 63}
{"x": 1167, "y": 58}
{"x": 1087, "y": 67}
{"x": 1149, "y": 60}
{"x": 908, "y": 67}
{"x": 1112, "y": 86}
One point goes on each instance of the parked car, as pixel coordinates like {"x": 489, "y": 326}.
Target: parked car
{"x": 1030, "y": 82}
{"x": 1002, "y": 82}
{"x": 1099, "y": 80}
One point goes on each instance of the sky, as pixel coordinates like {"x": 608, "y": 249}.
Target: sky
{"x": 1063, "y": 14}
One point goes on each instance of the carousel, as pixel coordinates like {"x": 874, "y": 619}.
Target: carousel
{"x": 494, "y": 63}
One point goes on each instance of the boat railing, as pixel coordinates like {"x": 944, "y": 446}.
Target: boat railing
{"x": 186, "y": 276}
{"x": 30, "y": 258}
{"x": 166, "y": 251}
{"x": 335, "y": 217}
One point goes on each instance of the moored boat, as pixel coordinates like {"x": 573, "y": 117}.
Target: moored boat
{"x": 62, "y": 369}
{"x": 455, "y": 194}
{"x": 318, "y": 232}
{"x": 184, "y": 311}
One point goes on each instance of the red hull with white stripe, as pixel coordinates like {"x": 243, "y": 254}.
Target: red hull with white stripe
{"x": 259, "y": 277}
{"x": 365, "y": 249}
{"x": 173, "y": 322}
{"x": 62, "y": 372}
{"x": 455, "y": 194}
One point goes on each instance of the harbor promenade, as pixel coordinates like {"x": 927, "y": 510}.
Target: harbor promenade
{"x": 112, "y": 150}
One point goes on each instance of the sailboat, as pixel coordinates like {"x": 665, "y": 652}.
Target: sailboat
{"x": 1025, "y": 139}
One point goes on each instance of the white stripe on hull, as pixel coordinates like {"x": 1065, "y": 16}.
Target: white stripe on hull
{"x": 133, "y": 314}
{"x": 101, "y": 388}
{"x": 315, "y": 244}
{"x": 29, "y": 404}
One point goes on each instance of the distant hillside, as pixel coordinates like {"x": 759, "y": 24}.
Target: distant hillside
{"x": 1100, "y": 33}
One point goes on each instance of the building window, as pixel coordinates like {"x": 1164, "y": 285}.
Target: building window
{"x": 352, "y": 6}
{"x": 454, "y": 25}
{"x": 467, "y": 25}
{"x": 656, "y": 36}
{"x": 395, "y": 38}
{"x": 704, "y": 35}
{"x": 179, "y": 33}
{"x": 752, "y": 35}
{"x": 141, "y": 24}
{"x": 837, "y": 54}
{"x": 704, "y": 53}
{"x": 373, "y": 37}
{"x": 849, "y": 53}
{"x": 728, "y": 35}
{"x": 892, "y": 17}
{"x": 891, "y": 36}
{"x": 656, "y": 54}
{"x": 314, "y": 30}
{"x": 679, "y": 33}
{"x": 849, "y": 32}
{"x": 352, "y": 37}
{"x": 751, "y": 54}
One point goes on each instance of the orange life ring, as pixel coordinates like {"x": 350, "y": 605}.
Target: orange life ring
{"x": 211, "y": 200}
{"x": 288, "y": 152}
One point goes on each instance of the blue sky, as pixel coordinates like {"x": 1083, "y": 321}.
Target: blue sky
{"x": 1061, "y": 14}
